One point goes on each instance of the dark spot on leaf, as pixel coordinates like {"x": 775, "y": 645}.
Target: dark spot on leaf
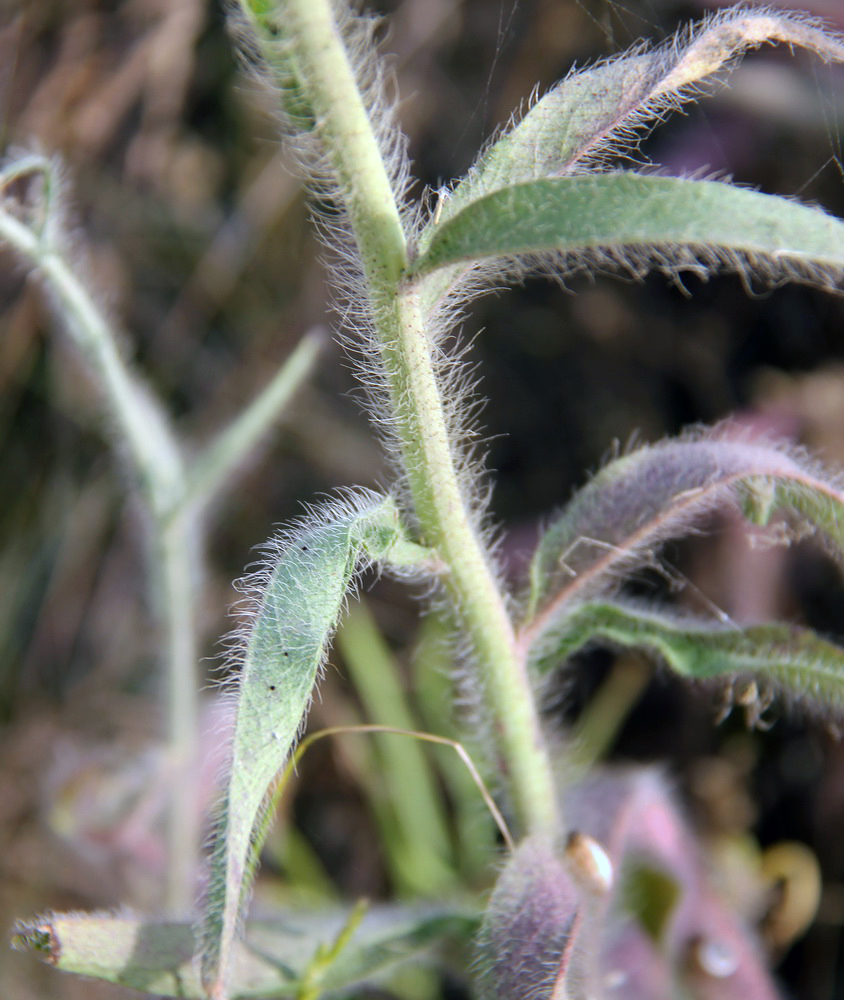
{"x": 272, "y": 687}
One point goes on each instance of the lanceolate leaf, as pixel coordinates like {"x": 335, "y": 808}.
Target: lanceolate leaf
{"x": 785, "y": 656}
{"x": 300, "y": 595}
{"x": 600, "y": 111}
{"x": 276, "y": 959}
{"x": 638, "y": 221}
{"x": 593, "y": 111}
{"x": 638, "y": 501}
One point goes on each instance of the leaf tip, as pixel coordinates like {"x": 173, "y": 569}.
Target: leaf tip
{"x": 38, "y": 936}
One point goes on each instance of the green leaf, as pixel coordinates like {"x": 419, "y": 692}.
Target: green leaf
{"x": 639, "y": 222}
{"x": 785, "y": 656}
{"x": 596, "y": 110}
{"x": 276, "y": 959}
{"x": 650, "y": 895}
{"x": 601, "y": 113}
{"x": 640, "y": 500}
{"x": 264, "y": 44}
{"x": 300, "y": 595}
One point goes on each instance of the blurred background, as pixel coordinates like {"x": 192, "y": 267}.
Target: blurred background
{"x": 197, "y": 235}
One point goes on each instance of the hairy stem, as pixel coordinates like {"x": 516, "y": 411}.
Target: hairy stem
{"x": 442, "y": 509}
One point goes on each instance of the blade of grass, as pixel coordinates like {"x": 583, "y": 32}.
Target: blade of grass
{"x": 424, "y": 843}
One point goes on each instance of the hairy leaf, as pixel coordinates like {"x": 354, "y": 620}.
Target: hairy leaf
{"x": 300, "y": 594}
{"x": 782, "y": 655}
{"x": 595, "y": 110}
{"x": 529, "y": 927}
{"x": 276, "y": 958}
{"x": 265, "y": 48}
{"x": 650, "y": 929}
{"x": 638, "y": 222}
{"x": 602, "y": 110}
{"x": 639, "y": 500}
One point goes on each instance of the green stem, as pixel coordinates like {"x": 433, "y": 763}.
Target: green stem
{"x": 213, "y": 468}
{"x": 442, "y": 508}
{"x": 145, "y": 437}
{"x": 154, "y": 458}
{"x": 174, "y": 578}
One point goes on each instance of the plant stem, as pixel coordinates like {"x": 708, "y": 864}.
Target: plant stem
{"x": 151, "y": 451}
{"x": 144, "y": 436}
{"x": 213, "y": 468}
{"x": 443, "y": 509}
{"x": 173, "y": 565}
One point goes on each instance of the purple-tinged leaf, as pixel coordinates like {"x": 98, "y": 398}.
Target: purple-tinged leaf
{"x": 529, "y": 927}
{"x": 689, "y": 945}
{"x": 615, "y": 523}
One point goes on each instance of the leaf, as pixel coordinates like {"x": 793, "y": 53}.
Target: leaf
{"x": 679, "y": 940}
{"x": 642, "y": 933}
{"x": 300, "y": 595}
{"x": 530, "y": 925}
{"x": 603, "y": 110}
{"x": 593, "y": 111}
{"x": 273, "y": 961}
{"x": 638, "y": 222}
{"x": 264, "y": 46}
{"x": 659, "y": 492}
{"x": 787, "y": 656}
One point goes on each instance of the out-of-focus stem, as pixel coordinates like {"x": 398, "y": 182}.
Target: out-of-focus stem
{"x": 213, "y": 468}
{"x": 173, "y": 495}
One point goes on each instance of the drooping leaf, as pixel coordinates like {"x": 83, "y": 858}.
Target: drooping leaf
{"x": 777, "y": 654}
{"x": 639, "y": 222}
{"x": 300, "y": 594}
{"x": 639, "y": 500}
{"x": 274, "y": 960}
{"x": 598, "y": 109}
